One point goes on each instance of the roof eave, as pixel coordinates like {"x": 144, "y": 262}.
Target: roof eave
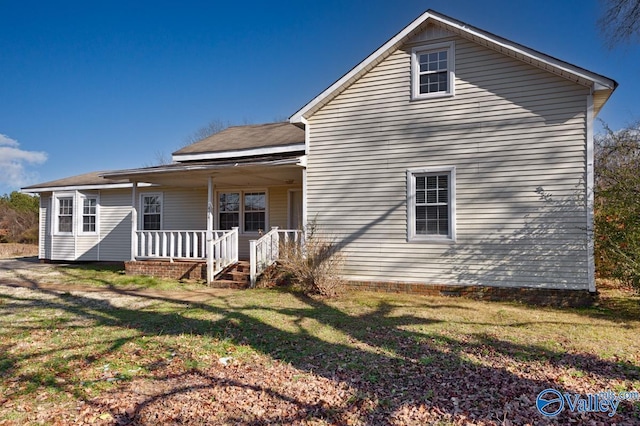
{"x": 132, "y": 174}
{"x": 221, "y": 155}
{"x": 59, "y": 188}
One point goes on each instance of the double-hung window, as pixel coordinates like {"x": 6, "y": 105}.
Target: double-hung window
{"x": 229, "y": 210}
{"x": 245, "y": 210}
{"x": 151, "y": 212}
{"x": 432, "y": 70}
{"x": 75, "y": 213}
{"x": 65, "y": 215}
{"x": 89, "y": 214}
{"x": 255, "y": 209}
{"x": 431, "y": 204}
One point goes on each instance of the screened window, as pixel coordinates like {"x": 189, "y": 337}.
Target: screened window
{"x": 229, "y": 210}
{"x": 89, "y": 214}
{"x": 255, "y": 204}
{"x": 432, "y": 70}
{"x": 65, "y": 214}
{"x": 431, "y": 204}
{"x": 151, "y": 212}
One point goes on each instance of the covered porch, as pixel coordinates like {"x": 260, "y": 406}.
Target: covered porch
{"x": 216, "y": 213}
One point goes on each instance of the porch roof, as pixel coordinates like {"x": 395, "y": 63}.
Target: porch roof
{"x": 237, "y": 173}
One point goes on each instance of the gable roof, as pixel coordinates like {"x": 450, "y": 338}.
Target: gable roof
{"x": 245, "y": 141}
{"x": 602, "y": 86}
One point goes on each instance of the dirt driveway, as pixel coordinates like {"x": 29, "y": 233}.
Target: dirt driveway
{"x": 28, "y": 272}
{"x": 26, "y": 269}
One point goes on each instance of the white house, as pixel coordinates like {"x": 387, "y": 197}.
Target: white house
{"x": 448, "y": 157}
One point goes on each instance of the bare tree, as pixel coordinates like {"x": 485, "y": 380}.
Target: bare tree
{"x": 620, "y": 21}
{"x": 617, "y": 211}
{"x": 214, "y": 126}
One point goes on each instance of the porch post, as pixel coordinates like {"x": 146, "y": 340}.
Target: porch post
{"x": 304, "y": 200}
{"x": 210, "y": 230}
{"x": 134, "y": 220}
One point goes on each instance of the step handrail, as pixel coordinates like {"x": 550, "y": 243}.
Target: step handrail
{"x": 265, "y": 251}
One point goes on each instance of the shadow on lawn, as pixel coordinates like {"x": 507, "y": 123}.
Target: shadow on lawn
{"x": 392, "y": 370}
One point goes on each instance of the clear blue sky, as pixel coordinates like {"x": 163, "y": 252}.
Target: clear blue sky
{"x": 88, "y": 86}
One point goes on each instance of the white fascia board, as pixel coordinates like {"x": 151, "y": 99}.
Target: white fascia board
{"x": 239, "y": 153}
{"x": 80, "y": 187}
{"x": 599, "y": 82}
{"x": 297, "y": 117}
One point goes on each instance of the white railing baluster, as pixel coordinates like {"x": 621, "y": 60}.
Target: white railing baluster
{"x": 265, "y": 251}
{"x": 177, "y": 244}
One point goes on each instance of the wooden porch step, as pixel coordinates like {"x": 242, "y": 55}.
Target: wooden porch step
{"x": 235, "y": 276}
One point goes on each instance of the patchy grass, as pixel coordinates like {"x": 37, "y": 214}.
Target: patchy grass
{"x": 113, "y": 276}
{"x": 130, "y": 352}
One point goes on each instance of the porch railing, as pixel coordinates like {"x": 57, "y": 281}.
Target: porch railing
{"x": 171, "y": 244}
{"x": 265, "y": 251}
{"x": 223, "y": 245}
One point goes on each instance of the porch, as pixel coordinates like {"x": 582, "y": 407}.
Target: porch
{"x": 210, "y": 255}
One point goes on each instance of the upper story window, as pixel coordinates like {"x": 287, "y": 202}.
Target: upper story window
{"x": 432, "y": 70}
{"x": 151, "y": 212}
{"x": 431, "y": 204}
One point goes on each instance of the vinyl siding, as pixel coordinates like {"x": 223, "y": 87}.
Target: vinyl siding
{"x": 44, "y": 247}
{"x": 516, "y": 136}
{"x": 278, "y": 206}
{"x": 115, "y": 225}
{"x": 184, "y": 208}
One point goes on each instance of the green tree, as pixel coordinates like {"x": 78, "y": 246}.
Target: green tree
{"x": 19, "y": 218}
{"x": 617, "y": 204}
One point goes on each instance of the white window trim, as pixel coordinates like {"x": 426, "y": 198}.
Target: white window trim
{"x": 241, "y": 229}
{"x": 141, "y": 213}
{"x": 411, "y": 197}
{"x": 81, "y": 199}
{"x": 415, "y": 70}
{"x": 56, "y": 212}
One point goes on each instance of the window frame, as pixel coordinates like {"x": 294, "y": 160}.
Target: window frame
{"x": 412, "y": 235}
{"x": 415, "y": 69}
{"x": 241, "y": 213}
{"x": 219, "y": 211}
{"x": 56, "y": 226}
{"x": 142, "y": 213}
{"x": 245, "y": 211}
{"x": 82, "y": 214}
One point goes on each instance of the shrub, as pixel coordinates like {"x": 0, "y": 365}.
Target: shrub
{"x": 314, "y": 267}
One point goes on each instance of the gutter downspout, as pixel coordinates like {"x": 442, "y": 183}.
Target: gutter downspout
{"x": 589, "y": 197}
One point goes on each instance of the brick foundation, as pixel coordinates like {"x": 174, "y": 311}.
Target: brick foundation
{"x": 530, "y": 295}
{"x": 177, "y": 270}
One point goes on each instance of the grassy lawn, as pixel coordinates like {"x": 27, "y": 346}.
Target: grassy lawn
{"x": 131, "y": 350}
